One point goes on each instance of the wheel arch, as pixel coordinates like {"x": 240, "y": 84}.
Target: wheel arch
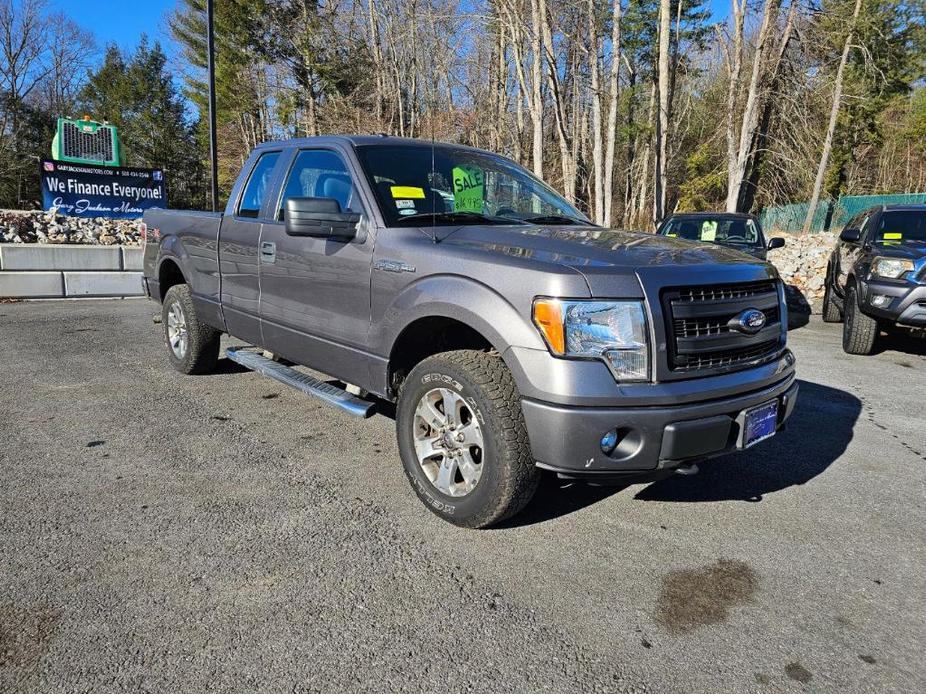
{"x": 169, "y": 274}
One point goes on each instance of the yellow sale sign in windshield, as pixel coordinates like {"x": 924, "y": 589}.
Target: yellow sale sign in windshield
{"x": 468, "y": 188}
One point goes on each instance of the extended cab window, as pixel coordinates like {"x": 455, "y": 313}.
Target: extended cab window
{"x": 320, "y": 173}
{"x": 257, "y": 188}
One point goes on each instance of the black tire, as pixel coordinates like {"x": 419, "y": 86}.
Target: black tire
{"x": 202, "y": 345}
{"x": 831, "y": 312}
{"x": 508, "y": 477}
{"x": 859, "y": 332}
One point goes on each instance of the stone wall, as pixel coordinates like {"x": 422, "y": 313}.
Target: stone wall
{"x": 44, "y": 227}
{"x": 802, "y": 263}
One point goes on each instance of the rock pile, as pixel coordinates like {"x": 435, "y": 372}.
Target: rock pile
{"x": 46, "y": 227}
{"x": 802, "y": 263}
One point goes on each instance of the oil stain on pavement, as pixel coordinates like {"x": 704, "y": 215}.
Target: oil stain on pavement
{"x": 693, "y": 598}
{"x": 798, "y": 673}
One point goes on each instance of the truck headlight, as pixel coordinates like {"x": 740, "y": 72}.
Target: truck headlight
{"x": 613, "y": 331}
{"x": 892, "y": 268}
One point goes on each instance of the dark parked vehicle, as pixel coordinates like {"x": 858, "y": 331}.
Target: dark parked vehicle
{"x": 876, "y": 275}
{"x": 510, "y": 332}
{"x": 740, "y": 231}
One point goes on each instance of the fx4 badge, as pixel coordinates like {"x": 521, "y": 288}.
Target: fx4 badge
{"x": 393, "y": 266}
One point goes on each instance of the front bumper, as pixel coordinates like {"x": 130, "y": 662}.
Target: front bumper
{"x": 906, "y": 305}
{"x": 567, "y": 439}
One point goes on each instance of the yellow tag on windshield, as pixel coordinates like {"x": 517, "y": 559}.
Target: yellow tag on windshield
{"x": 893, "y": 237}
{"x": 407, "y": 192}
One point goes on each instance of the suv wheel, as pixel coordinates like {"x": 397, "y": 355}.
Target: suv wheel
{"x": 859, "y": 332}
{"x": 462, "y": 438}
{"x": 831, "y": 312}
{"x": 192, "y": 346}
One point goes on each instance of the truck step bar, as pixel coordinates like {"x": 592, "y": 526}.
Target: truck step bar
{"x": 287, "y": 375}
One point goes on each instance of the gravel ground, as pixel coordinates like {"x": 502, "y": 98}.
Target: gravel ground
{"x": 222, "y": 533}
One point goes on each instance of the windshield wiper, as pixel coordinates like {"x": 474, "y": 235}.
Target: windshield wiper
{"x": 554, "y": 219}
{"x": 460, "y": 216}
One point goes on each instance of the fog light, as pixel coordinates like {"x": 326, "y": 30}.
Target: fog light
{"x": 608, "y": 442}
{"x": 880, "y": 300}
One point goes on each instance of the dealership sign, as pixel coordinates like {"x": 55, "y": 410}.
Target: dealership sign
{"x": 85, "y": 190}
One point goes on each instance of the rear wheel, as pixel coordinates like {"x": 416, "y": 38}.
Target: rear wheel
{"x": 192, "y": 346}
{"x": 831, "y": 312}
{"x": 462, "y": 438}
{"x": 859, "y": 332}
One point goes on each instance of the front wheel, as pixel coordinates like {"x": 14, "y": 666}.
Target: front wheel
{"x": 192, "y": 346}
{"x": 462, "y": 438}
{"x": 859, "y": 332}
{"x": 831, "y": 312}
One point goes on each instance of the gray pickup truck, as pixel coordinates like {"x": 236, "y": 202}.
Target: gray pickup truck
{"x": 510, "y": 333}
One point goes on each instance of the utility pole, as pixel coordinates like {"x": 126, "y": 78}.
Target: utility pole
{"x": 210, "y": 57}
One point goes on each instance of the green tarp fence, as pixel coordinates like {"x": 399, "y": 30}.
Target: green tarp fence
{"x": 830, "y": 215}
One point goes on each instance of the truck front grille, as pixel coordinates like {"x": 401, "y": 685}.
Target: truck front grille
{"x": 699, "y": 337}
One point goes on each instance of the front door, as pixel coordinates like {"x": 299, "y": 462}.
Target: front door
{"x": 849, "y": 252}
{"x": 315, "y": 292}
{"x": 239, "y": 252}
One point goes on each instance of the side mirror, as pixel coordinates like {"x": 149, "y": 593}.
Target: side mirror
{"x": 776, "y": 242}
{"x": 850, "y": 235}
{"x": 320, "y": 218}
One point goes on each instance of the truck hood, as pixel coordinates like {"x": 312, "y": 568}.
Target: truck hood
{"x": 580, "y": 247}
{"x": 606, "y": 256}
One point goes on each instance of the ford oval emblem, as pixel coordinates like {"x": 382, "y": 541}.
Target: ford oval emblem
{"x": 750, "y": 321}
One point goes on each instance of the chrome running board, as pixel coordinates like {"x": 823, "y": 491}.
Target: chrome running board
{"x": 287, "y": 375}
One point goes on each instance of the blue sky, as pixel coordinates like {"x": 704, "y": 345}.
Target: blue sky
{"x": 120, "y": 21}
{"x": 124, "y": 21}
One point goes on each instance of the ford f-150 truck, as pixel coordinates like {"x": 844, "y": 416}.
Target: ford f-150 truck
{"x": 510, "y": 332}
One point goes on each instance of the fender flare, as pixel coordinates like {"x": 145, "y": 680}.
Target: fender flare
{"x": 171, "y": 249}
{"x": 463, "y": 299}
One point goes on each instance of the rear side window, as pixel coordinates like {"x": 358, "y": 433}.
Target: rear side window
{"x": 257, "y": 188}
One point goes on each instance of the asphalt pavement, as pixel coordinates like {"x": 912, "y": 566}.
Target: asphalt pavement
{"x": 223, "y": 533}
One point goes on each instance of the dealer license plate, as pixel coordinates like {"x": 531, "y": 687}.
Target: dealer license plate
{"x": 760, "y": 423}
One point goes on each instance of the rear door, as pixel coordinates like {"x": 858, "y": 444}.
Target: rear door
{"x": 239, "y": 250}
{"x": 315, "y": 292}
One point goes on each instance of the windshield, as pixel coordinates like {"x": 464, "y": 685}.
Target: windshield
{"x": 896, "y": 227}
{"x": 421, "y": 185}
{"x": 722, "y": 230}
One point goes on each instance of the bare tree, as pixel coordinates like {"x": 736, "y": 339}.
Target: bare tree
{"x": 597, "y": 136}
{"x": 734, "y": 59}
{"x": 834, "y": 116}
{"x": 736, "y": 175}
{"x": 662, "y": 120}
{"x": 614, "y": 95}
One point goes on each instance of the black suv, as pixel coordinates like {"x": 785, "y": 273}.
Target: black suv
{"x": 876, "y": 275}
{"x": 732, "y": 229}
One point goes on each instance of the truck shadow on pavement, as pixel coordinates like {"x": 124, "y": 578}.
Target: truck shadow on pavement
{"x": 901, "y": 343}
{"x": 817, "y": 434}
